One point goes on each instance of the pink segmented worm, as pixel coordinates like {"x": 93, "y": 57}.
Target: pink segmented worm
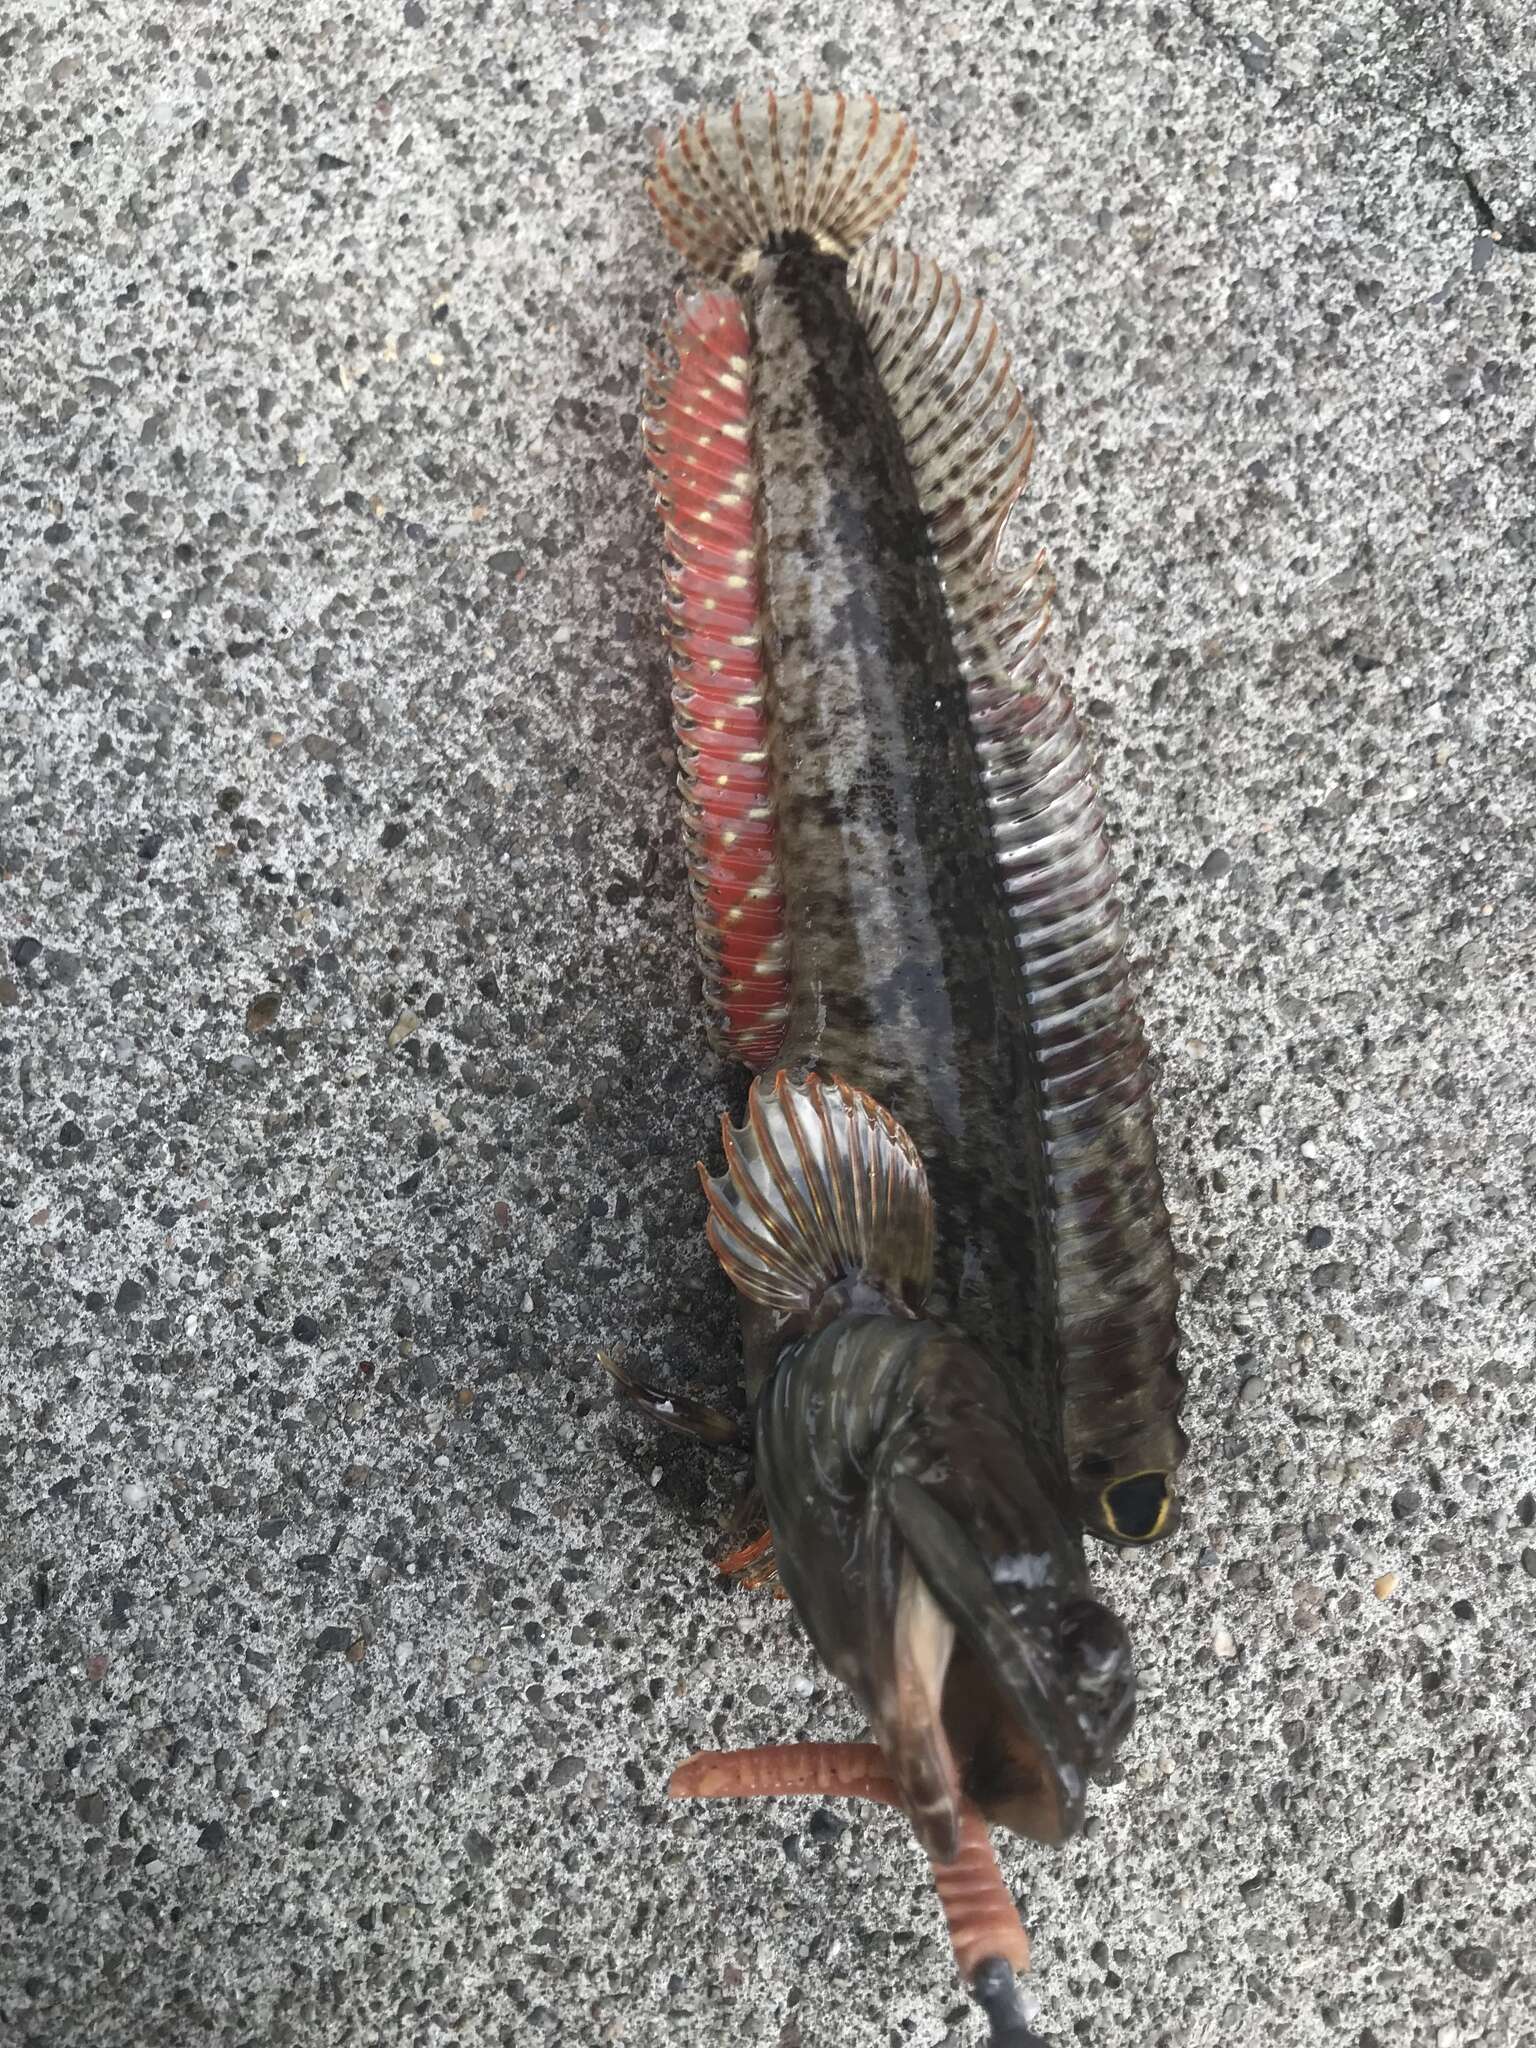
{"x": 979, "y": 1910}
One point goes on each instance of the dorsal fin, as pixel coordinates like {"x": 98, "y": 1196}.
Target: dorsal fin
{"x": 949, "y": 379}
{"x": 821, "y": 1185}
{"x": 969, "y": 442}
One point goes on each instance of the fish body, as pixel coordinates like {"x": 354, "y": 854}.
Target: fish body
{"x": 943, "y": 1213}
{"x": 904, "y": 973}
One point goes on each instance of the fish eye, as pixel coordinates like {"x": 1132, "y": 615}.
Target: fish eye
{"x": 1137, "y": 1509}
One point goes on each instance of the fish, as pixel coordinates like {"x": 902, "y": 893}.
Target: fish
{"x": 942, "y": 1213}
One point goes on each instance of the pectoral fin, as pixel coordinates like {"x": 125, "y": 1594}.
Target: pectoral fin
{"x": 680, "y": 1413}
{"x": 821, "y": 1185}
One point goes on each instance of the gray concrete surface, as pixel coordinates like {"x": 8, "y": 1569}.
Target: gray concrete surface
{"x": 353, "y": 1068}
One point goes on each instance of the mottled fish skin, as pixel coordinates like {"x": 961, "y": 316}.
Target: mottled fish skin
{"x": 874, "y": 1376}
{"x": 904, "y": 975}
{"x": 943, "y": 362}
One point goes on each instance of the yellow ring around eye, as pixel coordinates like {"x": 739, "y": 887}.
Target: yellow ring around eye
{"x": 1160, "y": 1520}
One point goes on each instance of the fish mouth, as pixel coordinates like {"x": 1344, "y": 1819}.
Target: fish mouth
{"x": 907, "y": 1717}
{"x": 986, "y": 1695}
{"x": 925, "y": 1544}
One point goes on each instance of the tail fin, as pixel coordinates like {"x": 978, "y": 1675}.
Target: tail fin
{"x": 821, "y": 165}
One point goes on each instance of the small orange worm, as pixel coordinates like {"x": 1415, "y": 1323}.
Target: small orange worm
{"x": 979, "y": 1909}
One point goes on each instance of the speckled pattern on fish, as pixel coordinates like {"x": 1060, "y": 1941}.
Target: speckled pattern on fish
{"x": 336, "y": 1706}
{"x": 904, "y": 977}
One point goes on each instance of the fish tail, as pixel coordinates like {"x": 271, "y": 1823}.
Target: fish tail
{"x": 821, "y": 1186}
{"x": 732, "y": 183}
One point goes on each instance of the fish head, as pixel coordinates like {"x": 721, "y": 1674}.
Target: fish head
{"x": 931, "y": 1550}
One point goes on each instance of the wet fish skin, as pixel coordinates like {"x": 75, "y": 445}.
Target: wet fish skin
{"x": 903, "y": 968}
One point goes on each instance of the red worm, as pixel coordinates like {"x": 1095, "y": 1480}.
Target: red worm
{"x": 978, "y": 1907}
{"x": 830, "y": 1770}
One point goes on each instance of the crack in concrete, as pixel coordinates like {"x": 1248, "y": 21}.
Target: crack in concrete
{"x": 1518, "y": 235}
